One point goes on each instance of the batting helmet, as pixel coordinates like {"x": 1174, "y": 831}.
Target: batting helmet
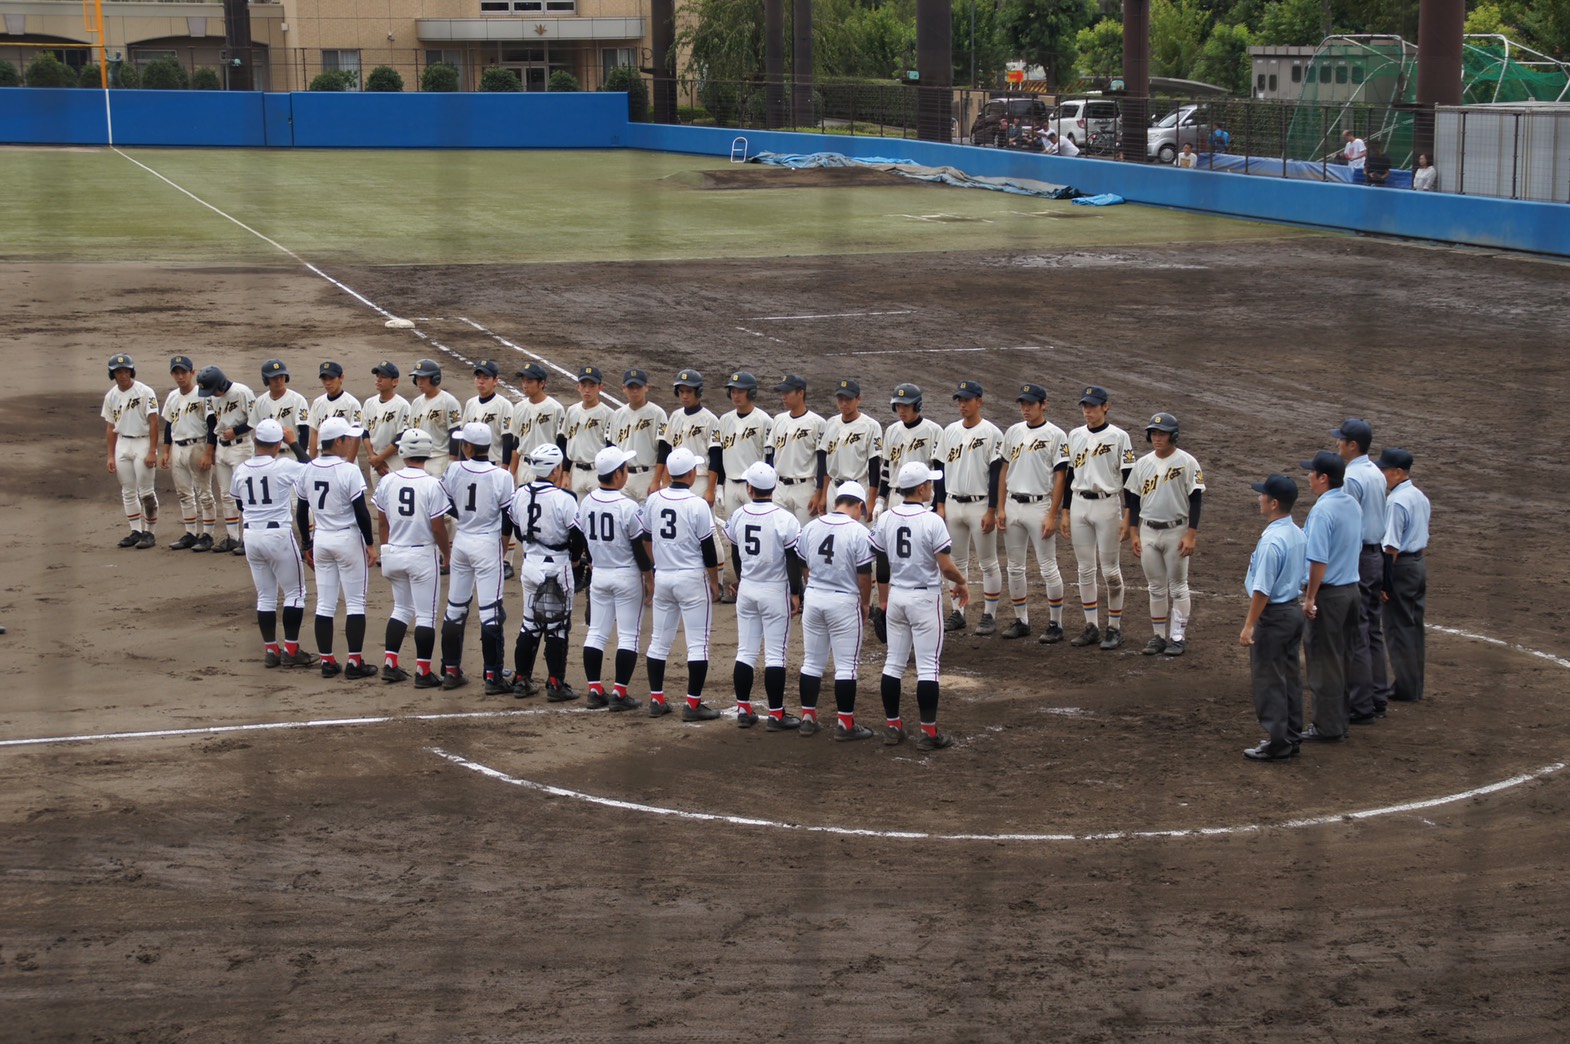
{"x": 417, "y": 444}
{"x": 1162, "y": 422}
{"x": 545, "y": 459}
{"x": 906, "y": 395}
{"x": 428, "y": 368}
{"x": 744, "y": 381}
{"x": 211, "y": 381}
{"x": 274, "y": 368}
{"x": 689, "y": 379}
{"x": 121, "y": 362}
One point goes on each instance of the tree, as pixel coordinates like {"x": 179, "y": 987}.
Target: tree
{"x": 49, "y": 71}
{"x": 1294, "y": 23}
{"x": 499, "y": 80}
{"x": 165, "y": 74}
{"x": 90, "y": 76}
{"x": 626, "y": 78}
{"x": 563, "y": 81}
{"x": 384, "y": 79}
{"x": 1546, "y": 25}
{"x": 205, "y": 79}
{"x": 1042, "y": 32}
{"x": 1100, "y": 49}
{"x": 990, "y": 53}
{"x": 124, "y": 74}
{"x": 439, "y": 78}
{"x": 333, "y": 80}
{"x": 1177, "y": 33}
{"x": 9, "y": 77}
{"x": 1224, "y": 60}
{"x": 723, "y": 39}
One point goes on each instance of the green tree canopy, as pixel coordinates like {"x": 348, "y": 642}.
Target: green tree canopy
{"x": 1100, "y": 48}
{"x": 1224, "y": 60}
{"x": 1043, "y": 32}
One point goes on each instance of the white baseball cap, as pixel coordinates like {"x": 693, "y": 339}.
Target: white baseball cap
{"x": 610, "y": 458}
{"x": 545, "y": 459}
{"x": 269, "y": 431}
{"x": 335, "y": 428}
{"x": 475, "y": 433}
{"x": 761, "y": 476}
{"x": 851, "y": 489}
{"x": 681, "y": 461}
{"x": 914, "y": 474}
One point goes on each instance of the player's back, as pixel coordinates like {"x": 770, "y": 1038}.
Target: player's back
{"x": 330, "y": 485}
{"x": 762, "y": 534}
{"x": 834, "y": 547}
{"x": 677, "y": 522}
{"x": 410, "y": 499}
{"x": 479, "y": 490}
{"x": 610, "y": 522}
{"x": 545, "y": 514}
{"x": 912, "y": 537}
{"x": 264, "y": 488}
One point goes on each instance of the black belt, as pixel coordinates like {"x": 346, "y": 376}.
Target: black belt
{"x": 636, "y": 470}
{"x": 583, "y": 467}
{"x": 549, "y": 547}
{"x": 736, "y": 480}
{"x": 798, "y": 481}
{"x": 231, "y": 442}
{"x": 1372, "y": 547}
{"x": 842, "y": 481}
{"x": 1409, "y": 554}
{"x": 189, "y": 442}
{"x": 1093, "y": 495}
{"x": 1164, "y": 525}
{"x": 958, "y": 499}
{"x": 1027, "y": 498}
{"x": 263, "y": 525}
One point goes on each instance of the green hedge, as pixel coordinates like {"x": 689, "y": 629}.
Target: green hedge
{"x": 165, "y": 74}
{"x": 334, "y": 80}
{"x": 626, "y": 78}
{"x": 9, "y": 77}
{"x": 440, "y": 78}
{"x": 49, "y": 71}
{"x": 562, "y": 80}
{"x": 205, "y": 79}
{"x": 384, "y": 78}
{"x": 500, "y": 80}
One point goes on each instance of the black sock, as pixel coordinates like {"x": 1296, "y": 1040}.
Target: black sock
{"x": 324, "y": 635}
{"x": 493, "y": 651}
{"x": 525, "y": 652}
{"x": 293, "y": 617}
{"x": 810, "y": 686}
{"x": 396, "y": 629}
{"x": 741, "y": 676}
{"x": 424, "y": 642}
{"x": 626, "y": 663}
{"x": 556, "y": 657}
{"x": 697, "y": 674}
{"x": 593, "y": 663}
{"x": 774, "y": 686}
{"x": 267, "y": 620}
{"x": 927, "y": 700}
{"x": 354, "y": 633}
{"x": 656, "y": 675}
{"x": 452, "y": 644}
{"x": 890, "y": 697}
{"x": 845, "y": 695}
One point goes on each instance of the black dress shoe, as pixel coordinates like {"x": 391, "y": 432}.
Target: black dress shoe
{"x": 1313, "y": 735}
{"x": 1363, "y": 719}
{"x": 1406, "y": 699}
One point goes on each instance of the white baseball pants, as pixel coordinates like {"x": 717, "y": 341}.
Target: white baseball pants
{"x": 762, "y": 614}
{"x": 1021, "y": 535}
{"x": 415, "y": 576}
{"x": 964, "y": 522}
{"x": 1167, "y": 573}
{"x": 1093, "y": 526}
{"x": 475, "y": 572}
{"x": 194, "y": 488}
{"x": 137, "y": 493}
{"x": 538, "y": 564}
{"x": 915, "y": 625}
{"x": 342, "y": 566}
{"x": 617, "y": 595}
{"x": 274, "y": 557}
{"x": 681, "y": 596}
{"x": 225, "y": 460}
{"x": 831, "y": 621}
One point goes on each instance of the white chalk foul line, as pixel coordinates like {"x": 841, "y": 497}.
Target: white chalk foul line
{"x": 942, "y": 351}
{"x": 920, "y": 835}
{"x": 826, "y": 315}
{"x": 542, "y": 360}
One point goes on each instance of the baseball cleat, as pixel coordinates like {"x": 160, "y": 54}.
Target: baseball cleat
{"x": 988, "y": 627}
{"x": 495, "y": 686}
{"x": 427, "y": 681}
{"x": 131, "y": 539}
{"x": 394, "y": 674}
{"x": 361, "y": 670}
{"x": 702, "y": 712}
{"x": 892, "y": 736}
{"x": 561, "y": 692}
{"x": 938, "y": 741}
{"x": 146, "y": 540}
{"x": 745, "y": 719}
{"x": 238, "y": 548}
{"x": 508, "y": 572}
{"x": 453, "y": 680}
{"x": 1112, "y": 639}
{"x": 1363, "y": 719}
{"x": 301, "y": 658}
{"x": 203, "y": 543}
{"x": 224, "y": 546}
{"x": 597, "y": 700}
{"x": 955, "y": 622}
{"x": 809, "y": 727}
{"x": 1155, "y": 647}
{"x": 1264, "y": 753}
{"x": 523, "y": 688}
{"x": 658, "y": 708}
{"x": 1176, "y": 648}
{"x": 1017, "y": 629}
{"x": 855, "y": 732}
{"x": 184, "y": 543}
{"x": 783, "y": 723}
{"x": 330, "y": 669}
{"x": 271, "y": 659}
{"x": 1052, "y": 635}
{"x": 625, "y": 703}
{"x": 1089, "y": 636}
{"x": 1313, "y": 735}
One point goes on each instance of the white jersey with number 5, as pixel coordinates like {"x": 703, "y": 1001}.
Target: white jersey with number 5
{"x": 762, "y": 533}
{"x": 912, "y": 537}
{"x": 677, "y": 522}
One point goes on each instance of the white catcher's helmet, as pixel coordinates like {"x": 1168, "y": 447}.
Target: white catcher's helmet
{"x": 416, "y": 443}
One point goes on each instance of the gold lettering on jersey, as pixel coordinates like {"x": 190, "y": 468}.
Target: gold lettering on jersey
{"x": 1172, "y": 473}
{"x": 851, "y": 439}
{"x": 1149, "y": 486}
{"x": 976, "y": 443}
{"x": 954, "y": 454}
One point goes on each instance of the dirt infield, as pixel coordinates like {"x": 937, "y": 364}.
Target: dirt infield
{"x": 349, "y": 882}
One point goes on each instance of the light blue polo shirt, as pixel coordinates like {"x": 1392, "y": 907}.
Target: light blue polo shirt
{"x": 1278, "y": 568}
{"x": 1407, "y": 526}
{"x": 1366, "y": 484}
{"x": 1334, "y": 530}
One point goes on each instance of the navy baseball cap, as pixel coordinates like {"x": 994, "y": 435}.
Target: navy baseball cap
{"x": 791, "y": 382}
{"x": 274, "y": 368}
{"x": 331, "y": 369}
{"x": 1278, "y": 486}
{"x": 1093, "y": 395}
{"x": 1354, "y": 429}
{"x": 182, "y": 362}
{"x": 1325, "y": 463}
{"x": 635, "y": 377}
{"x": 1031, "y": 393}
{"x": 968, "y": 390}
{"x": 590, "y": 373}
{"x": 848, "y": 389}
{"x": 1394, "y": 458}
{"x": 533, "y": 372}
{"x": 487, "y": 368}
{"x": 386, "y": 368}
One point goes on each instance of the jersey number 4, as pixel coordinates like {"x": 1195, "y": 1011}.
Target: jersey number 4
{"x": 826, "y": 550}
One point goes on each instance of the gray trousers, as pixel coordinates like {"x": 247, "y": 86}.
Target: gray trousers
{"x": 1330, "y": 642}
{"x": 1276, "y": 674}
{"x": 1370, "y": 681}
{"x": 1404, "y": 622}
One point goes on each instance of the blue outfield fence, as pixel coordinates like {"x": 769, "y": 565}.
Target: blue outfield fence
{"x": 598, "y": 120}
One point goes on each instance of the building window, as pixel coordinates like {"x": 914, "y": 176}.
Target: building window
{"x": 1297, "y": 74}
{"x": 561, "y": 6}
{"x": 494, "y": 5}
{"x": 343, "y": 61}
{"x": 1273, "y": 83}
{"x": 1324, "y": 74}
{"x": 1357, "y": 74}
{"x": 527, "y": 5}
{"x": 1341, "y": 74}
{"x": 615, "y": 58}
{"x": 1261, "y": 81}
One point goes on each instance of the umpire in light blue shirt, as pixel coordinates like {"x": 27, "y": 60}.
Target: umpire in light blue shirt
{"x": 1334, "y": 530}
{"x": 1406, "y": 574}
{"x": 1370, "y": 685}
{"x": 1273, "y": 632}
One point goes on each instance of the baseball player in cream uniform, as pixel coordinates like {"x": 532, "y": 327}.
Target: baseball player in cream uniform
{"x": 793, "y": 441}
{"x": 679, "y": 528}
{"x": 1035, "y": 469}
{"x": 971, "y": 457}
{"x": 264, "y": 488}
{"x": 835, "y": 550}
{"x": 437, "y": 413}
{"x": 492, "y": 410}
{"x": 188, "y": 423}
{"x": 911, "y": 438}
{"x": 479, "y": 491}
{"x": 636, "y": 428}
{"x": 130, "y": 413}
{"x": 1101, "y": 456}
{"x": 612, "y": 529}
{"x": 588, "y": 430}
{"x": 286, "y": 406}
{"x": 1162, "y": 498}
{"x": 544, "y": 518}
{"x": 693, "y": 427}
{"x": 912, "y": 549}
{"x": 767, "y": 595}
{"x": 744, "y": 441}
{"x": 386, "y": 418}
{"x": 343, "y": 548}
{"x": 232, "y": 407}
{"x": 412, "y": 508}
{"x": 537, "y": 420}
{"x": 851, "y": 444}
{"x": 333, "y": 402}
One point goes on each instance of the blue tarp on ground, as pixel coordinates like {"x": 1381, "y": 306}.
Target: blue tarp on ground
{"x": 905, "y": 168}
{"x": 1303, "y": 169}
{"x": 1106, "y": 199}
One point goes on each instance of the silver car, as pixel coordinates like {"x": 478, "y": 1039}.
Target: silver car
{"x": 1186, "y": 124}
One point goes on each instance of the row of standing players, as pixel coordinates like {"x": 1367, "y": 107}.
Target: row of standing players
{"x": 1020, "y": 483}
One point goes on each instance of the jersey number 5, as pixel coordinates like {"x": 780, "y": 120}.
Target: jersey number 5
{"x": 750, "y": 542}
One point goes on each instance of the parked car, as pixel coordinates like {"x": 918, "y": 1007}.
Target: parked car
{"x": 1186, "y": 124}
{"x": 1078, "y": 118}
{"x": 1021, "y": 111}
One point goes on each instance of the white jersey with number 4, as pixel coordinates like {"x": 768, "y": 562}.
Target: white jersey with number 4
{"x": 835, "y": 547}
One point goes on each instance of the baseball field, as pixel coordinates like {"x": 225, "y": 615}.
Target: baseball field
{"x": 196, "y": 848}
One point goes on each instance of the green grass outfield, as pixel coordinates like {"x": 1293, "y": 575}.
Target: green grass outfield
{"x": 405, "y": 207}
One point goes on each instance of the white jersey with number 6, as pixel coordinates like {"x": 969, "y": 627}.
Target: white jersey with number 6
{"x": 912, "y": 537}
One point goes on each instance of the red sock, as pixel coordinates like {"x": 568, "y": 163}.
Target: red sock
{"x": 355, "y": 660}
{"x": 809, "y": 714}
{"x": 655, "y": 697}
{"x": 744, "y": 706}
{"x": 453, "y": 671}
{"x": 693, "y": 701}
{"x": 778, "y": 714}
{"x": 392, "y": 658}
{"x": 422, "y": 666}
{"x": 329, "y": 658}
{"x": 894, "y": 723}
{"x": 597, "y": 688}
{"x": 292, "y": 648}
{"x": 272, "y": 647}
{"x": 619, "y": 690}
{"x": 931, "y": 730}
{"x": 552, "y": 681}
{"x": 847, "y": 722}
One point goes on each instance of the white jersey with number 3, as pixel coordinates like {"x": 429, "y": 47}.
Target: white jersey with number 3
{"x": 677, "y": 522}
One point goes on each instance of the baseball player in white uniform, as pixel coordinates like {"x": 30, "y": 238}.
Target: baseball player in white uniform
{"x": 545, "y": 521}
{"x": 851, "y": 444}
{"x": 912, "y": 549}
{"x": 910, "y": 438}
{"x": 767, "y": 596}
{"x": 188, "y": 453}
{"x": 588, "y": 430}
{"x": 492, "y": 410}
{"x": 333, "y": 402}
{"x": 1101, "y": 456}
{"x": 437, "y": 413}
{"x": 232, "y": 407}
{"x": 130, "y": 413}
{"x": 1035, "y": 469}
{"x": 286, "y": 406}
{"x": 343, "y": 549}
{"x": 412, "y": 508}
{"x": 623, "y": 576}
{"x": 538, "y": 420}
{"x": 636, "y": 428}
{"x": 695, "y": 428}
{"x": 679, "y": 528}
{"x": 793, "y": 444}
{"x": 264, "y": 488}
{"x": 386, "y": 419}
{"x": 744, "y": 441}
{"x": 479, "y": 491}
{"x": 836, "y": 551}
{"x": 1162, "y": 498}
{"x": 970, "y": 455}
